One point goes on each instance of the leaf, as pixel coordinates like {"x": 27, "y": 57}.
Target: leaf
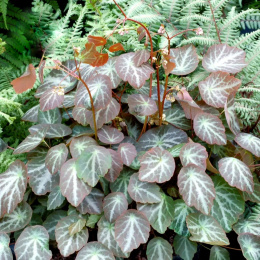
{"x": 127, "y": 153}
{"x": 68, "y": 244}
{"x": 88, "y": 54}
{"x": 175, "y": 150}
{"x": 52, "y": 98}
{"x": 26, "y": 81}
{"x": 52, "y": 116}
{"x": 141, "y": 105}
{"x": 141, "y": 57}
{"x": 31, "y": 115}
{"x": 69, "y": 100}
{"x": 219, "y": 253}
{"x": 114, "y": 205}
{"x": 228, "y": 204}
{"x": 250, "y": 245}
{"x": 160, "y": 215}
{"x": 77, "y": 226}
{"x": 159, "y": 248}
{"x": 194, "y": 153}
{"x": 255, "y": 196}
{"x": 236, "y": 174}
{"x": 55, "y": 198}
{"x": 92, "y": 220}
{"x": 164, "y": 137}
{"x": 13, "y": 183}
{"x": 116, "y": 168}
{"x": 185, "y": 59}
{"x": 56, "y": 157}
{"x": 92, "y": 203}
{"x": 95, "y": 250}
{"x": 131, "y": 229}
{"x": 216, "y": 88}
{"x": 210, "y": 129}
{"x": 98, "y": 41}
{"x": 247, "y": 226}
{"x": 143, "y": 192}
{"x": 93, "y": 164}
{"x": 222, "y": 57}
{"x": 157, "y": 165}
{"x": 110, "y": 135}
{"x": 106, "y": 236}
{"x": 183, "y": 247}
{"x": 128, "y": 71}
{"x": 53, "y": 130}
{"x": 116, "y": 47}
{"x": 5, "y": 251}
{"x": 33, "y": 244}
{"x": 249, "y": 142}
{"x": 196, "y": 188}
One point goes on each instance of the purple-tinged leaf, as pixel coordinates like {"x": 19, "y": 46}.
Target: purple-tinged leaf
{"x": 251, "y": 226}
{"x": 194, "y": 153}
{"x": 52, "y": 98}
{"x": 185, "y": 59}
{"x": 196, "y": 188}
{"x": 159, "y": 248}
{"x": 68, "y": 244}
{"x": 206, "y": 229}
{"x": 87, "y": 71}
{"x": 110, "y": 135}
{"x": 3, "y": 145}
{"x": 5, "y": 250}
{"x": 13, "y": 183}
{"x": 236, "y": 173}
{"x": 255, "y": 196}
{"x": 185, "y": 248}
{"x": 52, "y": 116}
{"x": 69, "y": 100}
{"x": 79, "y": 144}
{"x": 250, "y": 245}
{"x": 218, "y": 253}
{"x": 141, "y": 105}
{"x": 249, "y": 142}
{"x": 77, "y": 226}
{"x": 53, "y": 130}
{"x": 114, "y": 205}
{"x": 210, "y": 129}
{"x": 56, "y": 157}
{"x": 128, "y": 71}
{"x": 141, "y": 57}
{"x": 222, "y": 57}
{"x": 132, "y": 229}
{"x": 33, "y": 244}
{"x": 16, "y": 220}
{"x": 127, "y": 153}
{"x": 81, "y": 115}
{"x": 92, "y": 203}
{"x": 143, "y": 192}
{"x": 208, "y": 109}
{"x": 175, "y": 150}
{"x": 116, "y": 168}
{"x": 32, "y": 114}
{"x": 216, "y": 88}
{"x": 95, "y": 250}
{"x": 55, "y": 198}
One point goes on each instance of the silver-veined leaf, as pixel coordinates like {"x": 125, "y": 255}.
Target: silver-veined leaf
{"x": 140, "y": 57}
{"x": 69, "y": 100}
{"x": 160, "y": 215}
{"x": 255, "y": 196}
{"x": 219, "y": 253}
{"x": 249, "y": 142}
{"x": 157, "y": 165}
{"x": 131, "y": 229}
{"x": 196, "y": 188}
{"x": 206, "y": 229}
{"x": 52, "y": 116}
{"x": 250, "y": 245}
{"x": 31, "y": 115}
{"x": 52, "y": 98}
{"x": 127, "y": 152}
{"x": 236, "y": 173}
{"x": 93, "y": 164}
{"x": 210, "y": 129}
{"x": 143, "y": 192}
{"x": 110, "y": 135}
{"x": 5, "y": 251}
{"x": 79, "y": 144}
{"x": 159, "y": 248}
{"x": 13, "y": 183}
{"x": 68, "y": 244}
{"x": 116, "y": 168}
{"x": 77, "y": 226}
{"x": 33, "y": 244}
{"x": 114, "y": 205}
{"x": 56, "y": 157}
{"x": 55, "y": 198}
{"x": 251, "y": 226}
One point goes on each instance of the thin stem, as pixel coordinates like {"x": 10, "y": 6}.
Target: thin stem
{"x": 253, "y": 165}
{"x": 213, "y": 17}
{"x": 9, "y": 147}
{"x": 232, "y": 248}
{"x": 159, "y": 95}
{"x": 120, "y": 8}
{"x": 165, "y": 92}
{"x": 187, "y": 30}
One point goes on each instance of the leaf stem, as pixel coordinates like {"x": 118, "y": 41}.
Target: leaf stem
{"x": 213, "y": 17}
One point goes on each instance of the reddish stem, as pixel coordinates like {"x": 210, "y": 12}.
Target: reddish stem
{"x": 213, "y": 17}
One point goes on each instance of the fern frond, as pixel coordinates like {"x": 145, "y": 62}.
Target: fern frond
{"x": 3, "y": 10}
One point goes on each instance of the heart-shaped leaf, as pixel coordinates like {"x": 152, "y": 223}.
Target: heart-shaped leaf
{"x": 157, "y": 165}
{"x": 97, "y": 40}
{"x": 236, "y": 173}
{"x": 159, "y": 248}
{"x": 206, "y": 229}
{"x": 141, "y": 57}
{"x": 250, "y": 245}
{"x": 88, "y": 55}
{"x": 77, "y": 226}
{"x": 210, "y": 129}
{"x": 196, "y": 188}
{"x": 5, "y": 250}
{"x": 79, "y": 144}
{"x": 131, "y": 229}
{"x": 31, "y": 115}
{"x": 218, "y": 253}
{"x": 116, "y": 47}
{"x": 52, "y": 98}
{"x": 110, "y": 135}
{"x": 127, "y": 153}
{"x": 52, "y": 116}
{"x": 13, "y": 183}
{"x": 116, "y": 168}
{"x": 249, "y": 142}
{"x": 55, "y": 198}
{"x": 69, "y": 100}
{"x": 255, "y": 196}
{"x": 247, "y": 226}
{"x": 222, "y": 57}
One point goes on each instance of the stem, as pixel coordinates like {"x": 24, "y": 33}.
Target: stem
{"x": 120, "y": 8}
{"x": 159, "y": 95}
{"x": 253, "y": 165}
{"x": 165, "y": 90}
{"x": 187, "y": 30}
{"x": 9, "y": 147}
{"x": 255, "y": 124}
{"x": 213, "y": 17}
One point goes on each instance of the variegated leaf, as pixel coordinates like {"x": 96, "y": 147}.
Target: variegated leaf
{"x": 33, "y": 244}
{"x": 218, "y": 253}
{"x": 141, "y": 57}
{"x": 56, "y": 157}
{"x": 175, "y": 150}
{"x": 69, "y": 100}
{"x": 206, "y": 229}
{"x": 255, "y": 196}
{"x": 52, "y": 98}
{"x": 114, "y": 205}
{"x": 143, "y": 192}
{"x": 249, "y": 142}
{"x": 52, "y": 116}
{"x": 79, "y": 144}
{"x": 116, "y": 168}
{"x": 228, "y": 204}
{"x": 31, "y": 115}
{"x": 131, "y": 229}
{"x": 110, "y": 135}
{"x": 68, "y": 244}
{"x": 13, "y": 183}
{"x": 247, "y": 226}
{"x": 128, "y": 71}
{"x": 250, "y": 245}
{"x": 236, "y": 173}
{"x": 160, "y": 215}
{"x": 77, "y": 226}
{"x": 185, "y": 59}
{"x": 94, "y": 251}
{"x": 196, "y": 188}
{"x": 55, "y": 198}
{"x": 16, "y": 220}
{"x": 159, "y": 248}
{"x": 127, "y": 153}
{"x": 222, "y": 57}
{"x": 194, "y": 153}
{"x": 216, "y": 88}
{"x": 5, "y": 251}
{"x": 210, "y": 129}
